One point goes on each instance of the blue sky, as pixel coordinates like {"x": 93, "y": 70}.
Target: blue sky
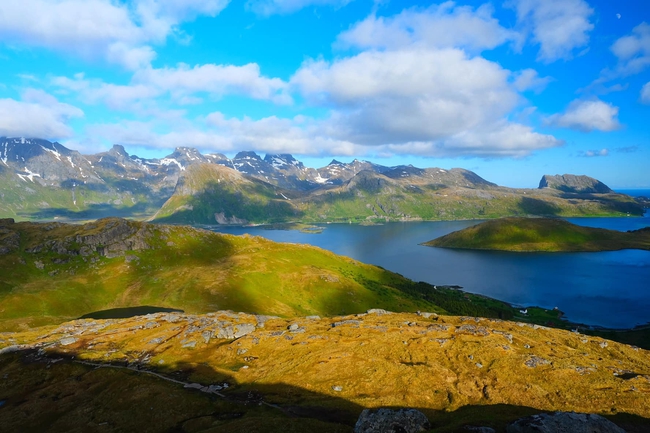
{"x": 511, "y": 89}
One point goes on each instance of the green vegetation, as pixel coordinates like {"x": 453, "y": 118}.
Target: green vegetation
{"x": 207, "y": 191}
{"x": 541, "y": 234}
{"x": 53, "y": 275}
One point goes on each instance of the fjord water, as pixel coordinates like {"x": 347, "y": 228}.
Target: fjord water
{"x": 610, "y": 289}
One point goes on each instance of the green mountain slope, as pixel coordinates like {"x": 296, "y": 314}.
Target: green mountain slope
{"x": 54, "y": 272}
{"x": 541, "y": 234}
{"x": 210, "y": 194}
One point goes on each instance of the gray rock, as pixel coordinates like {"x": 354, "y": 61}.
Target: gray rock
{"x": 67, "y": 340}
{"x": 535, "y": 361}
{"x": 243, "y": 329}
{"x": 427, "y": 315}
{"x": 479, "y": 429}
{"x": 377, "y": 311}
{"x": 189, "y": 344}
{"x": 346, "y": 322}
{"x": 473, "y": 330}
{"x": 387, "y": 421}
{"x": 564, "y": 422}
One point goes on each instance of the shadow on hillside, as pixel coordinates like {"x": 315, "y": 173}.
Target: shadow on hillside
{"x": 94, "y": 211}
{"x": 535, "y": 206}
{"x": 254, "y": 202}
{"x": 610, "y": 202}
{"x": 55, "y": 393}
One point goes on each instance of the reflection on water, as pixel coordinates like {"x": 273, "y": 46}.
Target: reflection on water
{"x": 608, "y": 289}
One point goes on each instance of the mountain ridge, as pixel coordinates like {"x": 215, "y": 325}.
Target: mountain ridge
{"x": 42, "y": 180}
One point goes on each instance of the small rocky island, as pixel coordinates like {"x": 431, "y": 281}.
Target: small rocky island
{"x": 541, "y": 234}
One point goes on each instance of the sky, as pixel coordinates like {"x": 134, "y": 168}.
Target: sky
{"x": 510, "y": 89}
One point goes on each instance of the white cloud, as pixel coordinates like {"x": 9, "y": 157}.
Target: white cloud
{"x": 37, "y": 115}
{"x": 215, "y": 79}
{"x": 272, "y": 7}
{"x": 558, "y": 26}
{"x": 98, "y": 28}
{"x": 592, "y": 153}
{"x": 181, "y": 83}
{"x": 633, "y": 51}
{"x": 588, "y": 116}
{"x": 438, "y": 102}
{"x": 528, "y": 79}
{"x": 439, "y": 26}
{"x": 645, "y": 93}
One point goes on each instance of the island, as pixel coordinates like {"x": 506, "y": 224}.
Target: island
{"x": 541, "y": 234}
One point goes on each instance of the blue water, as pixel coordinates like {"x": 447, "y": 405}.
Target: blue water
{"x": 608, "y": 288}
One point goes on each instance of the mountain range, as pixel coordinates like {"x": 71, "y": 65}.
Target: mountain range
{"x": 43, "y": 180}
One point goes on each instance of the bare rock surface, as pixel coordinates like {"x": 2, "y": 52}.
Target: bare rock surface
{"x": 564, "y": 422}
{"x": 389, "y": 421}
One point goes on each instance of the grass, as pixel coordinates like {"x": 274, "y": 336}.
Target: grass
{"x": 541, "y": 234}
{"x": 458, "y": 371}
{"x": 208, "y": 189}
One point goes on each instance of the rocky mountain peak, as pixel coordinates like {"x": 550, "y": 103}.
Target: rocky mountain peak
{"x": 283, "y": 161}
{"x": 247, "y": 154}
{"x": 574, "y": 183}
{"x": 118, "y": 150}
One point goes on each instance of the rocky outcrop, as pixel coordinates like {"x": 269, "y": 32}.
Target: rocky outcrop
{"x": 109, "y": 237}
{"x": 9, "y": 240}
{"x": 573, "y": 183}
{"x": 564, "y": 422}
{"x": 391, "y": 421}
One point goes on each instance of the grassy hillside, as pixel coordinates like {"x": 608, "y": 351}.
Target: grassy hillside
{"x": 209, "y": 194}
{"x": 310, "y": 374}
{"x": 23, "y": 199}
{"x": 541, "y": 234}
{"x": 213, "y": 194}
{"x": 53, "y": 272}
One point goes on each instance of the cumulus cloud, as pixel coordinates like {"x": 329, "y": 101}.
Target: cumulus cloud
{"x": 272, "y": 7}
{"x": 633, "y": 51}
{"x": 645, "y": 93}
{"x": 558, "y": 26}
{"x": 587, "y": 116}
{"x": 439, "y": 26}
{"x": 38, "y": 114}
{"x": 436, "y": 102}
{"x": 181, "y": 83}
{"x": 98, "y": 28}
{"x": 633, "y": 55}
{"x": 215, "y": 79}
{"x": 528, "y": 79}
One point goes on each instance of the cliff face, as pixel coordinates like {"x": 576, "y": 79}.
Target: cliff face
{"x": 574, "y": 183}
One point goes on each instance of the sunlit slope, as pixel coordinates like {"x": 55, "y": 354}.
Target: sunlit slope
{"x": 54, "y": 272}
{"x": 209, "y": 194}
{"x": 311, "y": 374}
{"x": 541, "y": 234}
{"x": 214, "y": 194}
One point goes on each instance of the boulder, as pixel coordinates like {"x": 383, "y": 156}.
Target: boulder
{"x": 564, "y": 422}
{"x": 391, "y": 421}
